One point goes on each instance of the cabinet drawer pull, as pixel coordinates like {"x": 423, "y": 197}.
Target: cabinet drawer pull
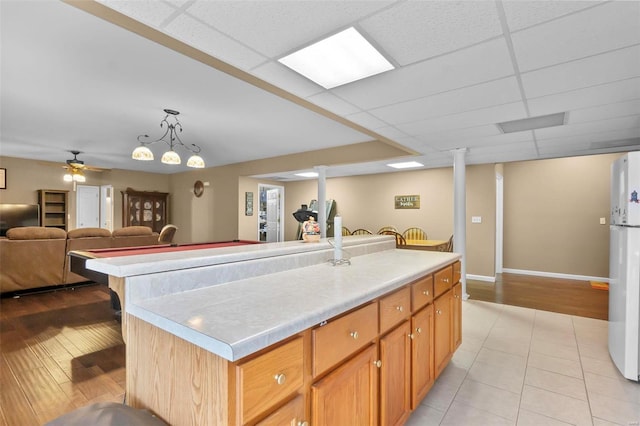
{"x": 446, "y": 280}
{"x": 439, "y": 311}
{"x": 418, "y": 330}
{"x": 411, "y": 336}
{"x": 425, "y": 292}
{"x": 280, "y": 378}
{"x": 377, "y": 363}
{"x": 399, "y": 308}
{"x": 354, "y": 334}
{"x": 303, "y": 423}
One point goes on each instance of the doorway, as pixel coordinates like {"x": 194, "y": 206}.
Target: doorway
{"x": 271, "y": 213}
{"x": 94, "y": 206}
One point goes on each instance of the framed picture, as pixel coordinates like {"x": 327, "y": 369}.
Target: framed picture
{"x": 248, "y": 203}
{"x": 3, "y": 178}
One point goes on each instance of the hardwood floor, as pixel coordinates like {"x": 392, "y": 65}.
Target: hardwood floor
{"x": 63, "y": 350}
{"x": 548, "y": 294}
{"x": 59, "y": 351}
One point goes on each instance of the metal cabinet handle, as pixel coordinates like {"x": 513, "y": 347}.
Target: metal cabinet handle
{"x": 418, "y": 330}
{"x": 303, "y": 423}
{"x": 377, "y": 363}
{"x": 280, "y": 378}
{"x": 439, "y": 311}
{"x": 425, "y": 292}
{"x": 446, "y": 280}
{"x": 411, "y": 336}
{"x": 399, "y": 308}
{"x": 354, "y": 334}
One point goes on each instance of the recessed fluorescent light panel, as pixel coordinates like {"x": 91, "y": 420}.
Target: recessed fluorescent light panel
{"x": 405, "y": 165}
{"x": 532, "y": 123}
{"x": 307, "y": 174}
{"x": 337, "y": 60}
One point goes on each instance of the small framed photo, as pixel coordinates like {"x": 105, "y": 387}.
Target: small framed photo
{"x": 248, "y": 203}
{"x": 3, "y": 178}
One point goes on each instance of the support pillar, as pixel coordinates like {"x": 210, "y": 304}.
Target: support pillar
{"x": 460, "y": 213}
{"x": 322, "y": 199}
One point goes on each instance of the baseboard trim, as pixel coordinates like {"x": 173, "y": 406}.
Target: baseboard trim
{"x": 555, "y": 275}
{"x": 481, "y": 278}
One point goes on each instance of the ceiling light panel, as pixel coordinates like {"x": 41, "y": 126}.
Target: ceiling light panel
{"x": 340, "y": 59}
{"x": 406, "y": 165}
{"x": 532, "y": 123}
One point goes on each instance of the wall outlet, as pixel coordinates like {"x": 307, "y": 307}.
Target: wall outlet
{"x": 603, "y": 221}
{"x": 476, "y": 219}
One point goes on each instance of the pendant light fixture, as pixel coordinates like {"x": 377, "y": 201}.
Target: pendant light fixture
{"x": 171, "y": 138}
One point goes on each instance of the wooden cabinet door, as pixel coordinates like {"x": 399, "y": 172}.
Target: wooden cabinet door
{"x": 348, "y": 395}
{"x": 456, "y": 317}
{"x": 442, "y": 330}
{"x": 422, "y": 366}
{"x": 395, "y": 376}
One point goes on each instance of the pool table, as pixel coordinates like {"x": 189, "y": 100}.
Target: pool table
{"x": 78, "y": 259}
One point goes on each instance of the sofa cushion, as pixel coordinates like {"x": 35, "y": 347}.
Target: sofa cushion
{"x": 36, "y": 233}
{"x": 88, "y": 232}
{"x": 130, "y": 231}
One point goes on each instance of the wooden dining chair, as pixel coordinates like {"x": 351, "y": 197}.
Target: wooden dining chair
{"x": 387, "y": 228}
{"x": 400, "y": 240}
{"x": 449, "y": 246}
{"x": 414, "y": 233}
{"x": 362, "y": 231}
{"x": 345, "y": 231}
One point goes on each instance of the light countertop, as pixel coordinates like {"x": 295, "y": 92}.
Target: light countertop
{"x": 241, "y": 317}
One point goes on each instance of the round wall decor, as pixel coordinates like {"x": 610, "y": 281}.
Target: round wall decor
{"x": 198, "y": 188}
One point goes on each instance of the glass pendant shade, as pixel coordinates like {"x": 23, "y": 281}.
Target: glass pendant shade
{"x": 142, "y": 153}
{"x": 171, "y": 157}
{"x": 195, "y": 161}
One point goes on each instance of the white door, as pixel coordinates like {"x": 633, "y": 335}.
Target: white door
{"x": 87, "y": 206}
{"x": 273, "y": 215}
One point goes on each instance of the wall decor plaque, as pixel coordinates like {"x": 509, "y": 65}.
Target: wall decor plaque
{"x": 407, "y": 201}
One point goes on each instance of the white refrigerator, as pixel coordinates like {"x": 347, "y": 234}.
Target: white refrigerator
{"x": 624, "y": 266}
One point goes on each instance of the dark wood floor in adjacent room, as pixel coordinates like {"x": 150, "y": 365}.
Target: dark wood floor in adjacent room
{"x": 548, "y": 294}
{"x": 63, "y": 350}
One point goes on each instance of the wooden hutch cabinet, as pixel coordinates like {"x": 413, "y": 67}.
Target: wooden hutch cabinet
{"x": 145, "y": 208}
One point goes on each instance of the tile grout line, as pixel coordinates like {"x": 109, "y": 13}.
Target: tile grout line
{"x": 584, "y": 380}
{"x": 526, "y": 364}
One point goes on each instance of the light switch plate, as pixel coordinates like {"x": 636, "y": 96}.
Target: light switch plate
{"x": 476, "y": 219}
{"x": 603, "y": 221}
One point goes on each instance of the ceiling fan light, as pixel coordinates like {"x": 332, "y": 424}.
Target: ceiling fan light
{"x": 67, "y": 177}
{"x": 142, "y": 153}
{"x": 79, "y": 178}
{"x": 170, "y": 157}
{"x": 196, "y": 162}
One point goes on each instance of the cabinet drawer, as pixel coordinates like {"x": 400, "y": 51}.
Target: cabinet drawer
{"x": 442, "y": 280}
{"x": 394, "y": 308}
{"x": 341, "y": 337}
{"x": 421, "y": 293}
{"x": 457, "y": 272}
{"x": 266, "y": 380}
{"x": 290, "y": 414}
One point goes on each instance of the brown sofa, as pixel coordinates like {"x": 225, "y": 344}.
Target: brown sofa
{"x": 32, "y": 257}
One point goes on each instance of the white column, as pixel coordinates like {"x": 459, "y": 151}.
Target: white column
{"x": 460, "y": 213}
{"x": 322, "y": 199}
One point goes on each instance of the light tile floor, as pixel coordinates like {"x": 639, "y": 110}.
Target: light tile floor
{"x": 519, "y": 366}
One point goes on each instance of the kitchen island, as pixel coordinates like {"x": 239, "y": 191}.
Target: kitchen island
{"x": 281, "y": 336}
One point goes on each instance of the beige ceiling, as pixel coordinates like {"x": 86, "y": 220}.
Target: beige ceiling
{"x": 71, "y": 80}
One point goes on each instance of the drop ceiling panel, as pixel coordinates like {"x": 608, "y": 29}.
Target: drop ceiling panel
{"x": 522, "y": 14}
{"x": 333, "y": 103}
{"x": 582, "y": 34}
{"x": 473, "y": 140}
{"x": 602, "y": 112}
{"x": 202, "y": 37}
{"x": 487, "y": 61}
{"x": 500, "y": 153}
{"x": 150, "y": 12}
{"x": 275, "y": 28}
{"x": 609, "y": 67}
{"x": 565, "y": 145}
{"x": 619, "y": 91}
{"x": 283, "y": 77}
{"x": 597, "y": 126}
{"x": 482, "y": 95}
{"x": 488, "y": 116}
{"x": 414, "y": 31}
{"x": 367, "y": 120}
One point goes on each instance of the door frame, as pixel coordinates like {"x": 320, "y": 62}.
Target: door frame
{"x": 265, "y": 187}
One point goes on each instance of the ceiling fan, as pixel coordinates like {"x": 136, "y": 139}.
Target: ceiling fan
{"x": 76, "y": 168}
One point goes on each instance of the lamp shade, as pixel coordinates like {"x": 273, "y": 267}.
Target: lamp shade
{"x": 142, "y": 153}
{"x": 67, "y": 177}
{"x": 195, "y": 161}
{"x": 170, "y": 157}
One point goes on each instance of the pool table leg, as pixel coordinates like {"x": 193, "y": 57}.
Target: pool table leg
{"x": 117, "y": 285}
